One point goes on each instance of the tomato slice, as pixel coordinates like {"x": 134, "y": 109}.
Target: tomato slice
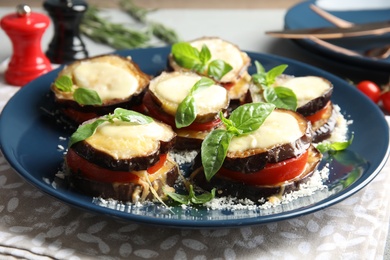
{"x": 158, "y": 165}
{"x": 78, "y": 116}
{"x": 319, "y": 114}
{"x": 271, "y": 174}
{"x": 94, "y": 172}
{"x": 156, "y": 112}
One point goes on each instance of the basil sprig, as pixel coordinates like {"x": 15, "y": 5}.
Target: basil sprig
{"x": 243, "y": 120}
{"x": 280, "y": 96}
{"x": 86, "y": 130}
{"x": 327, "y": 147}
{"x": 82, "y": 96}
{"x": 192, "y": 198}
{"x": 199, "y": 61}
{"x": 186, "y": 111}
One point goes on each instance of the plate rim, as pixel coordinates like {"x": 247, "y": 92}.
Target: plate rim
{"x": 180, "y": 223}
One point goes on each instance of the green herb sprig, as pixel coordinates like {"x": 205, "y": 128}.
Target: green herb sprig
{"x": 82, "y": 96}
{"x": 116, "y": 35}
{"x": 159, "y": 30}
{"x": 192, "y": 198}
{"x": 280, "y": 96}
{"x": 126, "y": 36}
{"x": 243, "y": 120}
{"x": 86, "y": 130}
{"x": 186, "y": 111}
{"x": 199, "y": 61}
{"x": 332, "y": 148}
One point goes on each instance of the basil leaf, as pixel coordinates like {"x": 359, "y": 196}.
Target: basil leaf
{"x": 250, "y": 117}
{"x": 202, "y": 198}
{"x": 281, "y": 97}
{"x": 181, "y": 198}
{"x": 132, "y": 116}
{"x": 186, "y": 112}
{"x": 85, "y": 96}
{"x": 205, "y": 54}
{"x": 191, "y": 197}
{"x": 213, "y": 151}
{"x": 259, "y": 67}
{"x": 218, "y": 68}
{"x": 64, "y": 83}
{"x": 85, "y": 131}
{"x": 334, "y": 147}
{"x": 185, "y": 55}
{"x": 202, "y": 83}
{"x": 230, "y": 125}
{"x": 274, "y": 72}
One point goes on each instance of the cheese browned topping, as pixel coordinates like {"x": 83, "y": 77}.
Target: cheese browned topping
{"x": 123, "y": 140}
{"x": 227, "y": 52}
{"x": 107, "y": 80}
{"x": 172, "y": 88}
{"x": 114, "y": 78}
{"x": 278, "y": 128}
{"x": 305, "y": 88}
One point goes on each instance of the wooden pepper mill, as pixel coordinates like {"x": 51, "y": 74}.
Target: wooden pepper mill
{"x": 25, "y": 29}
{"x": 66, "y": 45}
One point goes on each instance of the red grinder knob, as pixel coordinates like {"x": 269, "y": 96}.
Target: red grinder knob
{"x": 25, "y": 29}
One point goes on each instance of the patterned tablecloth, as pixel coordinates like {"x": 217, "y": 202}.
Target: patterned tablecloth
{"x": 34, "y": 225}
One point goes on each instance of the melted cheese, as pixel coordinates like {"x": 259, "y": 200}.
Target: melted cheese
{"x": 109, "y": 81}
{"x": 278, "y": 128}
{"x": 124, "y": 140}
{"x": 225, "y": 51}
{"x": 305, "y": 88}
{"x": 172, "y": 88}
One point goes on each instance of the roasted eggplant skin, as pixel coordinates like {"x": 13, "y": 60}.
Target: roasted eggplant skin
{"x": 323, "y": 129}
{"x": 255, "y": 159}
{"x": 119, "y": 191}
{"x": 76, "y": 113}
{"x": 102, "y": 159}
{"x": 316, "y": 104}
{"x": 225, "y": 187}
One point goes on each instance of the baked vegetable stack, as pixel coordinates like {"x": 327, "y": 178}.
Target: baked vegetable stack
{"x": 189, "y": 103}
{"x": 122, "y": 156}
{"x": 262, "y": 152}
{"x": 96, "y": 86}
{"x": 218, "y": 59}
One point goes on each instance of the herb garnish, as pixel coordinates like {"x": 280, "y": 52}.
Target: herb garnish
{"x": 243, "y": 120}
{"x": 200, "y": 61}
{"x": 86, "y": 130}
{"x": 82, "y": 96}
{"x": 280, "y": 96}
{"x": 332, "y": 148}
{"x": 192, "y": 198}
{"x": 186, "y": 111}
{"x": 100, "y": 29}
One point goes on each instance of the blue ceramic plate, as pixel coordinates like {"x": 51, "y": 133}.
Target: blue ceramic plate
{"x": 30, "y": 143}
{"x": 301, "y": 16}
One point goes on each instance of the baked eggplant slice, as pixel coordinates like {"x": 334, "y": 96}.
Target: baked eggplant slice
{"x": 313, "y": 93}
{"x": 257, "y": 193}
{"x": 314, "y": 102}
{"x": 283, "y": 135}
{"x": 237, "y": 81}
{"x": 123, "y": 160}
{"x": 277, "y": 156}
{"x": 169, "y": 89}
{"x": 117, "y": 81}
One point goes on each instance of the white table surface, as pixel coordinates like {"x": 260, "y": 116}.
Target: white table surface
{"x": 36, "y": 226}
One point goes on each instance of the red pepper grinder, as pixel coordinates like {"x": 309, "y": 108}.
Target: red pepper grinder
{"x": 66, "y": 45}
{"x": 25, "y": 29}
